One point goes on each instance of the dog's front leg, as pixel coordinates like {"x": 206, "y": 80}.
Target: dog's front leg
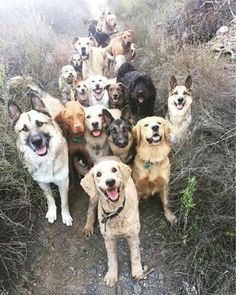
{"x": 52, "y": 209}
{"x": 137, "y": 270}
{"x": 169, "y": 215}
{"x": 111, "y": 276}
{"x": 91, "y": 215}
{"x": 63, "y": 187}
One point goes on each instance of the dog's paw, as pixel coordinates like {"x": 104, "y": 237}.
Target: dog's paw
{"x": 66, "y": 218}
{"x": 88, "y": 230}
{"x": 110, "y": 279}
{"x": 137, "y": 273}
{"x": 51, "y": 214}
{"x": 171, "y": 218}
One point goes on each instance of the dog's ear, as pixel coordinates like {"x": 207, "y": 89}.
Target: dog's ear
{"x": 75, "y": 39}
{"x": 173, "y": 83}
{"x": 136, "y": 132}
{"x": 107, "y": 86}
{"x": 60, "y": 119}
{"x": 86, "y": 21}
{"x": 125, "y": 171}
{"x": 123, "y": 86}
{"x": 188, "y": 82}
{"x": 166, "y": 131}
{"x": 132, "y": 33}
{"x": 37, "y": 103}
{"x": 94, "y": 22}
{"x": 107, "y": 117}
{"x": 126, "y": 114}
{"x": 14, "y": 111}
{"x": 93, "y": 41}
{"x": 88, "y": 184}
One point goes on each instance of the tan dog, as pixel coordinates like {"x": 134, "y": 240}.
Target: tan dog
{"x": 44, "y": 152}
{"x": 179, "y": 108}
{"x": 108, "y": 24}
{"x": 81, "y": 93}
{"x": 76, "y": 61}
{"x": 151, "y": 170}
{"x": 93, "y": 57}
{"x": 109, "y": 184}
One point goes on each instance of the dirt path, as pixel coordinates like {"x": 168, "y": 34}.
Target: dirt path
{"x": 69, "y": 264}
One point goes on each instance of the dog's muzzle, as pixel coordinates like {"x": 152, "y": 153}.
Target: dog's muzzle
{"x": 156, "y": 137}
{"x": 112, "y": 192}
{"x": 140, "y": 97}
{"x": 39, "y": 143}
{"x": 84, "y": 54}
{"x": 180, "y": 103}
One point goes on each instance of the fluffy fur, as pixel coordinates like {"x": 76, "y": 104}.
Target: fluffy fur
{"x": 151, "y": 170}
{"x": 109, "y": 184}
{"x": 45, "y": 153}
{"x": 179, "y": 108}
{"x": 140, "y": 93}
{"x": 68, "y": 75}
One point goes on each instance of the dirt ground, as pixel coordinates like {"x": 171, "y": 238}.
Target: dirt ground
{"x": 66, "y": 263}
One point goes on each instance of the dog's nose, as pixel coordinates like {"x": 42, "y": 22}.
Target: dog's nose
{"x": 140, "y": 92}
{"x": 36, "y": 140}
{"x": 110, "y": 182}
{"x": 83, "y": 49}
{"x": 115, "y": 95}
{"x": 155, "y": 128}
{"x": 97, "y": 85}
{"x": 180, "y": 99}
{"x": 78, "y": 128}
{"x": 95, "y": 124}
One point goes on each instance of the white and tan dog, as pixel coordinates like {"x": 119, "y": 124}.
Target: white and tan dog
{"x": 97, "y": 91}
{"x": 76, "y": 61}
{"x": 81, "y": 93}
{"x": 68, "y": 75}
{"x": 95, "y": 136}
{"x": 44, "y": 152}
{"x": 179, "y": 108}
{"x": 93, "y": 57}
{"x": 108, "y": 24}
{"x": 109, "y": 184}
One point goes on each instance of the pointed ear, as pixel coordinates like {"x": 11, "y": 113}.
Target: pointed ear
{"x": 188, "y": 82}
{"x": 136, "y": 132}
{"x": 14, "y": 111}
{"x": 126, "y": 172}
{"x": 126, "y": 114}
{"x": 88, "y": 184}
{"x": 75, "y": 39}
{"x": 37, "y": 103}
{"x": 93, "y": 41}
{"x": 173, "y": 83}
{"x": 107, "y": 117}
{"x": 166, "y": 131}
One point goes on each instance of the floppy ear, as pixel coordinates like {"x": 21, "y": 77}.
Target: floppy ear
{"x": 37, "y": 103}
{"x": 166, "y": 131}
{"x": 88, "y": 183}
{"x": 132, "y": 33}
{"x": 14, "y": 111}
{"x": 126, "y": 172}
{"x": 75, "y": 39}
{"x": 123, "y": 86}
{"x": 188, "y": 82}
{"x": 126, "y": 114}
{"x": 173, "y": 83}
{"x": 107, "y": 117}
{"x": 60, "y": 119}
{"x": 107, "y": 86}
{"x": 136, "y": 132}
{"x": 93, "y": 41}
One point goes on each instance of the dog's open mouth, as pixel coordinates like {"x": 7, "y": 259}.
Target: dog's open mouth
{"x": 70, "y": 79}
{"x": 115, "y": 99}
{"x": 112, "y": 194}
{"x": 140, "y": 98}
{"x": 180, "y": 105}
{"x": 98, "y": 90}
{"x": 96, "y": 132}
{"x": 156, "y": 138}
{"x": 84, "y": 56}
{"x": 41, "y": 151}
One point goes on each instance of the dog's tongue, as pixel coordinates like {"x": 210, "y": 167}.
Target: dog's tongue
{"x": 41, "y": 151}
{"x": 113, "y": 194}
{"x": 98, "y": 90}
{"x": 156, "y": 137}
{"x": 179, "y": 106}
{"x": 96, "y": 133}
{"x": 140, "y": 99}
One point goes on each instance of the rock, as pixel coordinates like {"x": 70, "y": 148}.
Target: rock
{"x": 137, "y": 289}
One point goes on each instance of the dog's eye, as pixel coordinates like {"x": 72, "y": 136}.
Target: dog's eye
{"x": 99, "y": 174}
{"x": 38, "y": 123}
{"x": 87, "y": 43}
{"x": 125, "y": 129}
{"x": 146, "y": 125}
{"x": 185, "y": 93}
{"x": 25, "y": 128}
{"x": 175, "y": 93}
{"x": 93, "y": 81}
{"x": 100, "y": 80}
{"x": 159, "y": 123}
{"x": 99, "y": 115}
{"x": 113, "y": 130}
{"x": 114, "y": 170}
{"x": 88, "y": 117}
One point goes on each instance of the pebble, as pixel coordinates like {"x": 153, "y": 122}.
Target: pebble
{"x": 137, "y": 289}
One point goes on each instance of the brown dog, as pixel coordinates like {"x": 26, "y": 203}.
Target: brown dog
{"x": 151, "y": 170}
{"x": 116, "y": 93}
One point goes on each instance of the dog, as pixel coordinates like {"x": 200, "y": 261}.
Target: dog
{"x": 97, "y": 91}
{"x": 116, "y": 94}
{"x": 76, "y": 61}
{"x": 179, "y": 108}
{"x": 120, "y": 139}
{"x": 151, "y": 169}
{"x": 108, "y": 24}
{"x": 44, "y": 152}
{"x": 68, "y": 75}
{"x": 109, "y": 184}
{"x": 81, "y": 93}
{"x": 101, "y": 37}
{"x": 93, "y": 57}
{"x": 140, "y": 90}
{"x": 95, "y": 136}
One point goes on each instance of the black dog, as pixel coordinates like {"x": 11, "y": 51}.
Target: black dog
{"x": 140, "y": 92}
{"x": 120, "y": 139}
{"x": 101, "y": 38}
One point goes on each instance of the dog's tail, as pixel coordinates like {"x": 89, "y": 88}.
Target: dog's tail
{"x": 124, "y": 68}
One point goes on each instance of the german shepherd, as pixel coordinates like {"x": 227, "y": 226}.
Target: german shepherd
{"x": 45, "y": 153}
{"x": 120, "y": 139}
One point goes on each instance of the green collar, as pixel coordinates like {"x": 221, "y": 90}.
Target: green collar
{"x": 78, "y": 140}
{"x": 147, "y": 165}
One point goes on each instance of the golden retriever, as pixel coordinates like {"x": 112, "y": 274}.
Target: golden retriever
{"x": 179, "y": 108}
{"x": 108, "y": 24}
{"x": 45, "y": 153}
{"x": 151, "y": 170}
{"x": 109, "y": 184}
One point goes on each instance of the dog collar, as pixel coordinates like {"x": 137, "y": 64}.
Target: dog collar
{"x": 93, "y": 35}
{"x": 79, "y": 139}
{"x": 110, "y": 215}
{"x": 147, "y": 165}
